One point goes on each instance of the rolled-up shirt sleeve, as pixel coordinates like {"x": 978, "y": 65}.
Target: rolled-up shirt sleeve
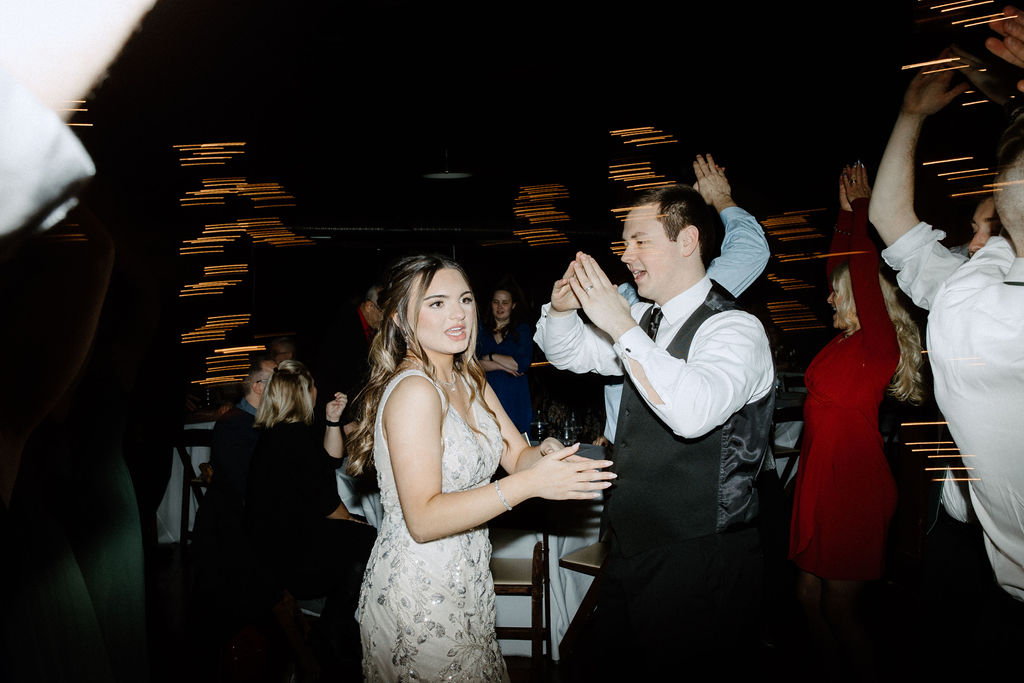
{"x": 744, "y": 252}
{"x": 922, "y": 263}
{"x": 569, "y": 344}
{"x": 729, "y": 365}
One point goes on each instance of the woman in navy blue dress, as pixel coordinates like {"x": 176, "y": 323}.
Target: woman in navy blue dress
{"x": 505, "y": 349}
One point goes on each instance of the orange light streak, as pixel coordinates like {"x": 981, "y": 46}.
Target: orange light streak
{"x": 968, "y": 194}
{"x": 933, "y": 62}
{"x": 976, "y": 4}
{"x": 967, "y": 170}
{"x": 987, "y": 21}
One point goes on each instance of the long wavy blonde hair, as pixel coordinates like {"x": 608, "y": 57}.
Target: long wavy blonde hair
{"x": 396, "y": 343}
{"x": 907, "y": 383}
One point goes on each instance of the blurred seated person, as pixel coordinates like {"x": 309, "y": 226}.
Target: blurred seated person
{"x": 281, "y": 349}
{"x": 505, "y": 349}
{"x": 234, "y": 437}
{"x": 220, "y": 545}
{"x": 305, "y": 540}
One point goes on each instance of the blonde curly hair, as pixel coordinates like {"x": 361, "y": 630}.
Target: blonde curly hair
{"x": 907, "y": 383}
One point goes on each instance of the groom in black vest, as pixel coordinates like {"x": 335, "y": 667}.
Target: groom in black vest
{"x": 684, "y": 570}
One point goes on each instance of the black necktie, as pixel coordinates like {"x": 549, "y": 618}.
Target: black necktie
{"x": 653, "y": 323}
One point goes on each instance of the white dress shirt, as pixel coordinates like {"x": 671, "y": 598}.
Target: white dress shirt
{"x": 976, "y": 351}
{"x": 744, "y": 255}
{"x": 730, "y": 362}
{"x": 42, "y": 164}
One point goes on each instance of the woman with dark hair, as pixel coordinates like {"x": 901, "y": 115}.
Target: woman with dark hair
{"x": 436, "y": 432}
{"x": 505, "y": 349}
{"x": 304, "y": 537}
{"x": 845, "y": 493}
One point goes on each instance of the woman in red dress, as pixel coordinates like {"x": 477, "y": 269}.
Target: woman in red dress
{"x": 845, "y": 492}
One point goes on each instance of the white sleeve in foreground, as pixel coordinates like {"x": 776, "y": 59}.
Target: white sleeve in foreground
{"x": 42, "y": 163}
{"x": 922, "y": 263}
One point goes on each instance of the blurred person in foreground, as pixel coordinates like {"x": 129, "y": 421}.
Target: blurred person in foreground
{"x": 74, "y": 601}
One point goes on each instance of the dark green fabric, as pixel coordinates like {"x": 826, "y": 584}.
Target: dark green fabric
{"x": 72, "y": 588}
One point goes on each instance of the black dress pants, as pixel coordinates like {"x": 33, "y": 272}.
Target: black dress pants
{"x": 680, "y": 609}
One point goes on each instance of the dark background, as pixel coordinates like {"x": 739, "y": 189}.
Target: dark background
{"x": 347, "y": 105}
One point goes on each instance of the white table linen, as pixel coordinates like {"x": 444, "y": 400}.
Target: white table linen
{"x": 168, "y": 514}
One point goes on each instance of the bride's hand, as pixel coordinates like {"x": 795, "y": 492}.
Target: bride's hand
{"x": 563, "y": 475}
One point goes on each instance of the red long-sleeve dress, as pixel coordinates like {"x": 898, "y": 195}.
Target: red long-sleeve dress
{"x": 845, "y": 492}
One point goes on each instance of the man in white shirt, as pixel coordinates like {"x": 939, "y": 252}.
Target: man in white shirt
{"x": 975, "y": 324}
{"x": 683, "y": 573}
{"x": 744, "y": 255}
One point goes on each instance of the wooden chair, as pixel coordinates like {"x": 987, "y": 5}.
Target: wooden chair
{"x": 192, "y": 483}
{"x": 587, "y": 560}
{"x": 527, "y": 576}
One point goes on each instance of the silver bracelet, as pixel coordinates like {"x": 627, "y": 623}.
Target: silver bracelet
{"x": 501, "y": 497}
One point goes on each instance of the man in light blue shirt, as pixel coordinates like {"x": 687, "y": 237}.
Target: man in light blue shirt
{"x": 743, "y": 258}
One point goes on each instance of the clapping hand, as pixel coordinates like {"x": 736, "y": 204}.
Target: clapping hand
{"x": 600, "y": 299}
{"x": 336, "y": 407}
{"x": 712, "y": 183}
{"x": 563, "y": 299}
{"x": 563, "y": 475}
{"x": 853, "y": 185}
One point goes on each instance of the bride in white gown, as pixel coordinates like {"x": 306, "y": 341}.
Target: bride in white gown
{"x": 436, "y": 433}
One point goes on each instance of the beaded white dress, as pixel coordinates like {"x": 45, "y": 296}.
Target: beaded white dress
{"x": 426, "y": 610}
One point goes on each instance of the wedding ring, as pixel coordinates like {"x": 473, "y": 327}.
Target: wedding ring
{"x": 587, "y": 289}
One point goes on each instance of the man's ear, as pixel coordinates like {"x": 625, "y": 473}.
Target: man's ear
{"x": 257, "y": 388}
{"x": 689, "y": 240}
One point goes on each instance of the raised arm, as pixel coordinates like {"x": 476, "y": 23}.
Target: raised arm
{"x": 892, "y": 202}
{"x": 840, "y": 247}
{"x": 744, "y": 248}
{"x": 863, "y": 257}
{"x": 412, "y": 425}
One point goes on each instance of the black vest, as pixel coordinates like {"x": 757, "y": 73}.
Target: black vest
{"x": 671, "y": 489}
